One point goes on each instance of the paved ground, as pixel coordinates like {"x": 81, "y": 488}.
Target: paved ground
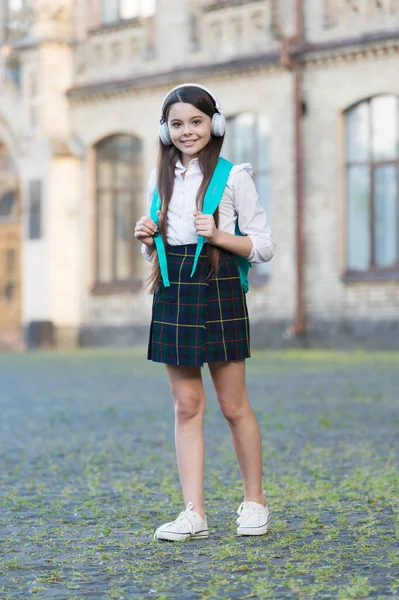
{"x": 87, "y": 470}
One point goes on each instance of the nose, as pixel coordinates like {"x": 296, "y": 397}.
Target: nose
{"x": 187, "y": 129}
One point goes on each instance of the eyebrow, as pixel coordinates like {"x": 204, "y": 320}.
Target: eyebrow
{"x": 192, "y": 119}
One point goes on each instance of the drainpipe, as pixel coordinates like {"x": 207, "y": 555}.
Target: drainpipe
{"x": 298, "y": 326}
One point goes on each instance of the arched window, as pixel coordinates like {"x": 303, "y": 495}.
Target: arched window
{"x": 118, "y": 193}
{"x": 372, "y": 169}
{"x": 248, "y": 140}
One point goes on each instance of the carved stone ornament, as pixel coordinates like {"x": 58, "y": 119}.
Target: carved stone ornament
{"x": 339, "y": 11}
{"x": 52, "y": 10}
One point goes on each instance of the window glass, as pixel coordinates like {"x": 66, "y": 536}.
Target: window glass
{"x": 248, "y": 141}
{"x": 11, "y": 275}
{"x": 105, "y": 236}
{"x": 384, "y": 121}
{"x": 263, "y": 151}
{"x": 129, "y": 9}
{"x": 17, "y": 19}
{"x": 386, "y": 215}
{"x": 243, "y": 138}
{"x": 109, "y": 11}
{"x": 262, "y": 182}
{"x": 358, "y": 243}
{"x": 119, "y": 191}
{"x": 15, "y": 4}
{"x": 147, "y": 7}
{"x": 8, "y": 203}
{"x": 35, "y": 209}
{"x": 372, "y": 132}
{"x": 114, "y": 11}
{"x": 124, "y": 227}
{"x": 9, "y": 194}
{"x": 357, "y": 133}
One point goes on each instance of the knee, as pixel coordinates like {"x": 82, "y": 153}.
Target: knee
{"x": 234, "y": 409}
{"x": 189, "y": 406}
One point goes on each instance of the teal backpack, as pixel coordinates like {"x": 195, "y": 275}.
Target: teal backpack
{"x": 212, "y": 200}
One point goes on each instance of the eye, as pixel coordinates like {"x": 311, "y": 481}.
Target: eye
{"x": 175, "y": 125}
{"x": 197, "y": 122}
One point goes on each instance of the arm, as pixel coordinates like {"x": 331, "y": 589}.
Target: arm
{"x": 256, "y": 243}
{"x": 145, "y": 227}
{"x": 252, "y": 218}
{"x": 241, "y": 245}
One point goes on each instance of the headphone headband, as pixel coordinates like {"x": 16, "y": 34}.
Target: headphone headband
{"x": 196, "y": 85}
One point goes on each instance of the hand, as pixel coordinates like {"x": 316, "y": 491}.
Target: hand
{"x": 145, "y": 230}
{"x": 205, "y": 226}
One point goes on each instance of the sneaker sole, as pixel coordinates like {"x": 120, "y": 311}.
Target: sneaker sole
{"x": 253, "y": 530}
{"x": 178, "y": 537}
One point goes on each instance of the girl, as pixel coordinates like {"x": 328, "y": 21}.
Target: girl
{"x": 199, "y": 307}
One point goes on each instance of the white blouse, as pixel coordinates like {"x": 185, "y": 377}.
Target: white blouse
{"x": 240, "y": 201}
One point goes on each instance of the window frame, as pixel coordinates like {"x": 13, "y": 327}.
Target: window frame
{"x": 134, "y": 282}
{"x": 254, "y": 276}
{"x": 374, "y": 272}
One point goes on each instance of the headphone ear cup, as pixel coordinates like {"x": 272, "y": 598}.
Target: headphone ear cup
{"x": 218, "y": 125}
{"x": 164, "y": 134}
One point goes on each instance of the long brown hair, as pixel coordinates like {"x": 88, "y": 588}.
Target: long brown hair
{"x": 167, "y": 159}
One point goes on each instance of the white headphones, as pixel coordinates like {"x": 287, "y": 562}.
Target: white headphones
{"x": 218, "y": 119}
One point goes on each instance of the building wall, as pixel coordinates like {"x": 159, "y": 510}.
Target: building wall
{"x": 332, "y": 20}
{"x": 112, "y": 79}
{"x": 330, "y": 90}
{"x": 139, "y": 114}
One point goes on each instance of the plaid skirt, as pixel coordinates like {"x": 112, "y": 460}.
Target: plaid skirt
{"x": 199, "y": 319}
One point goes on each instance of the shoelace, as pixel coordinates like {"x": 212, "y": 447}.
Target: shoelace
{"x": 246, "y": 510}
{"x": 185, "y": 518}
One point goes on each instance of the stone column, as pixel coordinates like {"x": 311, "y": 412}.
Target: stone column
{"x": 3, "y": 21}
{"x": 52, "y": 62}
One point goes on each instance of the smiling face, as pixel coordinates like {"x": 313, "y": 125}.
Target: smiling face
{"x": 190, "y": 130}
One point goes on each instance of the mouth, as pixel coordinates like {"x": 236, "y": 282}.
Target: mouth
{"x": 188, "y": 143}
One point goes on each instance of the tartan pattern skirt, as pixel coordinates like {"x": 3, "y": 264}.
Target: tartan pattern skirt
{"x": 201, "y": 318}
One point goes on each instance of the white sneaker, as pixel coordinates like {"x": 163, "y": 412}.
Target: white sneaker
{"x": 253, "y": 520}
{"x": 188, "y": 526}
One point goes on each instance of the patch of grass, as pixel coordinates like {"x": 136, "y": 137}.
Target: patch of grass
{"x": 90, "y": 472}
{"x": 359, "y": 587}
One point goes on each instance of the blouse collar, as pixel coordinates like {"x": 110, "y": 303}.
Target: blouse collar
{"x": 193, "y": 164}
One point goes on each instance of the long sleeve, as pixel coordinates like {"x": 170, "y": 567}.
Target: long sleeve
{"x": 147, "y": 251}
{"x": 252, "y": 219}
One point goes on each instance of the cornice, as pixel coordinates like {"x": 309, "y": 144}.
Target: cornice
{"x": 118, "y": 26}
{"x": 121, "y": 86}
{"x": 367, "y": 44}
{"x": 329, "y": 52}
{"x": 354, "y": 54}
{"x": 221, "y": 4}
{"x": 30, "y": 43}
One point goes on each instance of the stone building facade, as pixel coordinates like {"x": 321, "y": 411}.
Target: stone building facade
{"x": 311, "y": 92}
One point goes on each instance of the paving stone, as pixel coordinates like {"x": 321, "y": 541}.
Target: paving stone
{"x": 87, "y": 471}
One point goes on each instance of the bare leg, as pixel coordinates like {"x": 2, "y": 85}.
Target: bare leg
{"x": 189, "y": 399}
{"x": 229, "y": 381}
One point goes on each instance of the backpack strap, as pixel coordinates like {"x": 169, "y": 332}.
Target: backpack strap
{"x": 212, "y": 198}
{"x": 160, "y": 246}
